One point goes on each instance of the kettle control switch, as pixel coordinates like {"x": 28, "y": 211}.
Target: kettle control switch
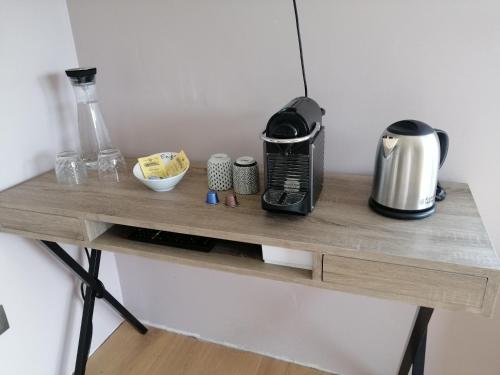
{"x": 389, "y": 143}
{"x": 4, "y": 324}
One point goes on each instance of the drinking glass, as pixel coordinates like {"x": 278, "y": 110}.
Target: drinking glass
{"x": 70, "y": 168}
{"x": 111, "y": 165}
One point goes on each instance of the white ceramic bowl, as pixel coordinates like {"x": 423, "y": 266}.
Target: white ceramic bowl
{"x": 165, "y": 184}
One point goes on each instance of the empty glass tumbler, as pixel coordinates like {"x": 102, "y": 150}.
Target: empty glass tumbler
{"x": 70, "y": 168}
{"x": 94, "y": 136}
{"x": 111, "y": 165}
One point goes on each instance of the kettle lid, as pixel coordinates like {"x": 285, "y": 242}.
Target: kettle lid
{"x": 410, "y": 127}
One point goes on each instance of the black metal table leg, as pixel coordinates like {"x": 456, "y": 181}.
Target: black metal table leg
{"x": 414, "y": 357}
{"x": 419, "y": 360}
{"x": 86, "y": 326}
{"x": 94, "y": 289}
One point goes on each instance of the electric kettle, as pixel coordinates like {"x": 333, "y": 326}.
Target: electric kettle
{"x": 405, "y": 184}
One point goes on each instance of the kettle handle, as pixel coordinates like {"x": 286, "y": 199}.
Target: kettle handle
{"x": 444, "y": 142}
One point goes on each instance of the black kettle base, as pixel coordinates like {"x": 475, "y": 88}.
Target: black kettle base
{"x": 401, "y": 214}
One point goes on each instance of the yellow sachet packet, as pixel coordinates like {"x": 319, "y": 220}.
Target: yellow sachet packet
{"x": 152, "y": 166}
{"x": 177, "y": 164}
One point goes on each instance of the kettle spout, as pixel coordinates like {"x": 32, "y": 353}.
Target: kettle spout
{"x": 389, "y": 143}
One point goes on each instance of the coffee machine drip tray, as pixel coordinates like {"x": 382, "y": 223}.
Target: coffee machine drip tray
{"x": 283, "y": 198}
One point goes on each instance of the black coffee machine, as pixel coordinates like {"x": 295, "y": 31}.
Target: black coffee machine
{"x": 293, "y": 157}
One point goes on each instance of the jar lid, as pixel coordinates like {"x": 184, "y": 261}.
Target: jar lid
{"x": 219, "y": 158}
{"x": 245, "y": 161}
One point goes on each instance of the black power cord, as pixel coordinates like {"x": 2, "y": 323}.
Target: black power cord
{"x": 300, "y": 47}
{"x": 82, "y": 291}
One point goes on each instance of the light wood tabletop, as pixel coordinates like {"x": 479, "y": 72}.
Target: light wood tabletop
{"x": 446, "y": 260}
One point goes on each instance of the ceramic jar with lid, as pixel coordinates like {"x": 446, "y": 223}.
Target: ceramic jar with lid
{"x": 220, "y": 173}
{"x": 246, "y": 175}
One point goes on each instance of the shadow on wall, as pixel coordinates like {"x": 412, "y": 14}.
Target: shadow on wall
{"x": 199, "y": 134}
{"x": 74, "y": 306}
{"x": 60, "y": 109}
{"x": 41, "y": 161}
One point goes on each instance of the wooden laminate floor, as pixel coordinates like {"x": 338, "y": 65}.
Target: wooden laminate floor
{"x": 127, "y": 352}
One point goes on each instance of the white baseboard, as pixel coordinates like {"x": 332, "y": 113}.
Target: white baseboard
{"x": 228, "y": 344}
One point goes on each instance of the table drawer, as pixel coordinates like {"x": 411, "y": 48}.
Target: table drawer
{"x": 422, "y": 286}
{"x": 37, "y": 223}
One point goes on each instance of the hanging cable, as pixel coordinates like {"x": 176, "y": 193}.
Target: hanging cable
{"x": 300, "y": 47}
{"x": 82, "y": 285}
{"x": 84, "y": 291}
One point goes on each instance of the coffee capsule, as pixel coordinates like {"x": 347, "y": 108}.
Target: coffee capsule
{"x": 212, "y": 197}
{"x": 231, "y": 200}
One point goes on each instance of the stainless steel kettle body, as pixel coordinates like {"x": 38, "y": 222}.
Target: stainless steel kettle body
{"x": 407, "y": 163}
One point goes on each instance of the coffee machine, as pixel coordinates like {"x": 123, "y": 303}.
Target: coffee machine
{"x": 293, "y": 157}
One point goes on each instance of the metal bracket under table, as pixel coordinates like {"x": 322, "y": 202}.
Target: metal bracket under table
{"x": 94, "y": 289}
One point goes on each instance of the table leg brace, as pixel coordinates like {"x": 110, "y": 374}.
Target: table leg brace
{"x": 94, "y": 289}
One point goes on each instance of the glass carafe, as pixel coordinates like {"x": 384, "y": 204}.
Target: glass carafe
{"x": 94, "y": 136}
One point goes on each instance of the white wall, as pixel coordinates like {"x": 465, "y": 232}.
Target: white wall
{"x": 37, "y": 119}
{"x": 206, "y": 76}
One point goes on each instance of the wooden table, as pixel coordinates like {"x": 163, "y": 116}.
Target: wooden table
{"x": 444, "y": 261}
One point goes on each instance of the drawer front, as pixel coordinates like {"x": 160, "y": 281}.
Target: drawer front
{"x": 418, "y": 285}
{"x": 33, "y": 223}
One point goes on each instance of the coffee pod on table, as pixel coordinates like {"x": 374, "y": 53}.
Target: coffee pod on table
{"x": 219, "y": 172}
{"x": 231, "y": 200}
{"x": 212, "y": 197}
{"x": 245, "y": 175}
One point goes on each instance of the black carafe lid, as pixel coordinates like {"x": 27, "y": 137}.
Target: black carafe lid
{"x": 81, "y": 75}
{"x": 410, "y": 127}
